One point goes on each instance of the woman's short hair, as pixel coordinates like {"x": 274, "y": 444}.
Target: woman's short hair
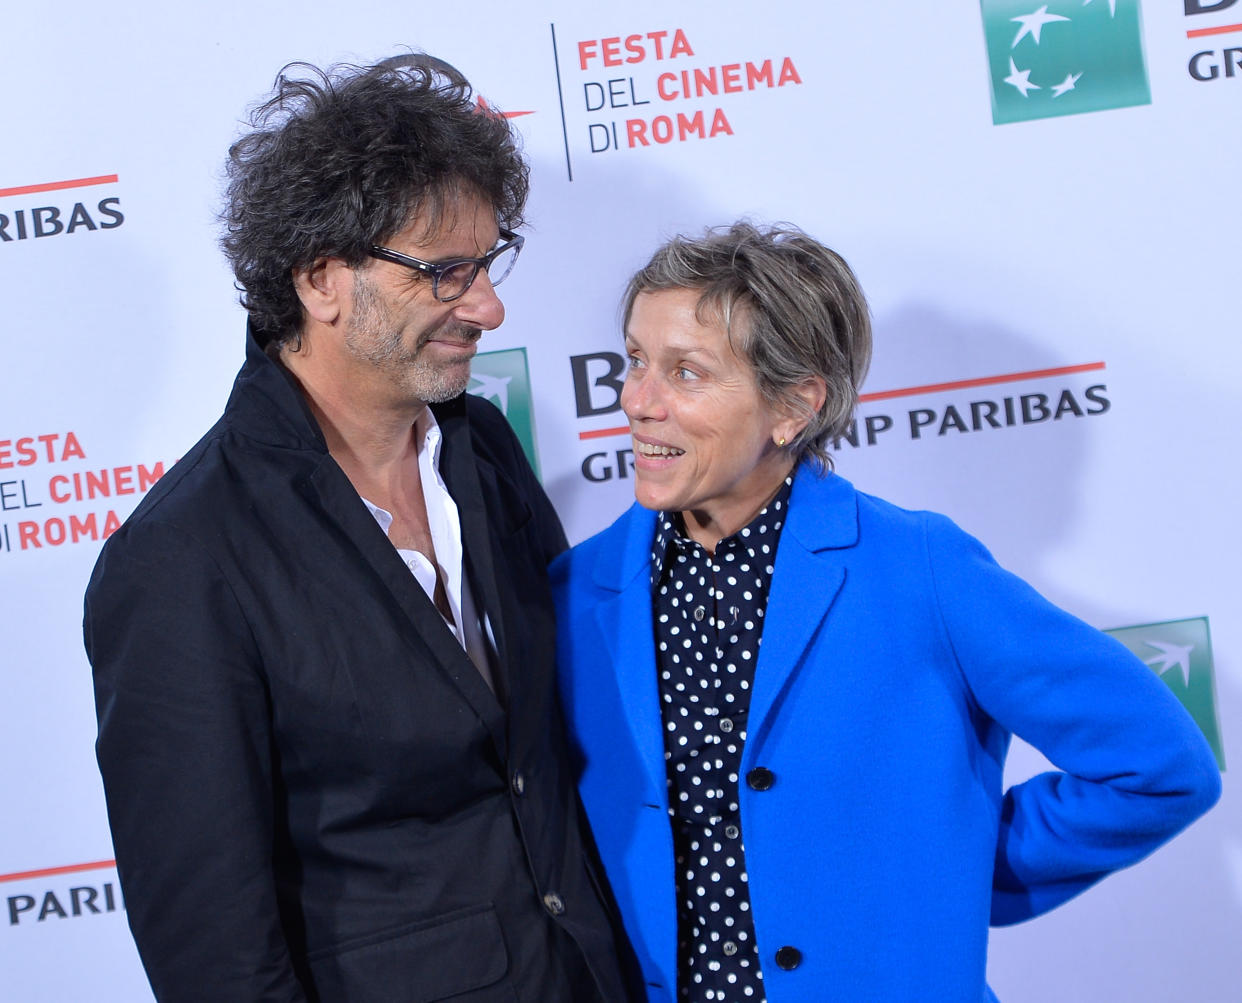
{"x": 790, "y": 305}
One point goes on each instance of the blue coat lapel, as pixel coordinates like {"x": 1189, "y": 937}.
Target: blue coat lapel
{"x": 626, "y": 628}
{"x": 809, "y": 572}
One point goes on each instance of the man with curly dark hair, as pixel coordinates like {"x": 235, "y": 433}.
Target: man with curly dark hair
{"x": 323, "y": 644}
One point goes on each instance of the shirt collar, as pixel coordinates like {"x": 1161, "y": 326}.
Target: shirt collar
{"x": 429, "y": 437}
{"x": 671, "y": 538}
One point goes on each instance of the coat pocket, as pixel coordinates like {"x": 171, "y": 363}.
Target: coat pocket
{"x": 448, "y": 957}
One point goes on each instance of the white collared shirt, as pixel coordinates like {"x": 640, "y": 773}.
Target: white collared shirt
{"x": 445, "y": 525}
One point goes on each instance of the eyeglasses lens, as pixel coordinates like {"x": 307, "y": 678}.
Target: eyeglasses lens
{"x": 502, "y": 265}
{"x": 456, "y": 280}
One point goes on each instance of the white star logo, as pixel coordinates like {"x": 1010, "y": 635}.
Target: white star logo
{"x": 1112, "y": 7}
{"x": 1033, "y": 24}
{"x": 1020, "y": 79}
{"x": 1065, "y": 85}
{"x": 1170, "y": 655}
{"x": 496, "y": 387}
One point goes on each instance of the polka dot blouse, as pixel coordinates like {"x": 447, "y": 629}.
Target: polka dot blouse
{"x": 708, "y": 613}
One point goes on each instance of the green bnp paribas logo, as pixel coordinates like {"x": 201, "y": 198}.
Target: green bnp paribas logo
{"x": 1180, "y": 653}
{"x": 1064, "y": 57}
{"x": 504, "y": 379}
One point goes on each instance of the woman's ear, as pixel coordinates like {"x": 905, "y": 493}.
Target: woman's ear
{"x": 811, "y": 393}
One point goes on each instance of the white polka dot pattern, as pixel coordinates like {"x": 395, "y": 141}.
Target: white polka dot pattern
{"x": 708, "y": 611}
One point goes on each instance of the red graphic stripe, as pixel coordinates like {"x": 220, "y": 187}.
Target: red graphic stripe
{"x": 983, "y": 381}
{"x": 47, "y": 872}
{"x": 1223, "y": 29}
{"x": 482, "y": 104}
{"x": 55, "y": 186}
{"x": 600, "y": 433}
{"x": 927, "y": 388}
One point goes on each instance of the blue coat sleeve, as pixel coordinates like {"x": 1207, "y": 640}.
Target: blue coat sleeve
{"x": 1133, "y": 769}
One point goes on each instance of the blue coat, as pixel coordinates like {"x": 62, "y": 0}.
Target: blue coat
{"x": 897, "y": 659}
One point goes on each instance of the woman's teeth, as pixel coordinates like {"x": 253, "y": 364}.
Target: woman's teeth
{"x": 645, "y": 449}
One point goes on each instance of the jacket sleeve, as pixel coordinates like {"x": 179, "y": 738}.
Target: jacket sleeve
{"x": 185, "y": 750}
{"x": 1134, "y": 767}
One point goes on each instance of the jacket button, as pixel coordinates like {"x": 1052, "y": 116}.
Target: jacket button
{"x": 788, "y": 958}
{"x": 518, "y": 783}
{"x": 556, "y": 906}
{"x": 760, "y": 778}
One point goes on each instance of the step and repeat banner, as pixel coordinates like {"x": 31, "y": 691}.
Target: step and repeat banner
{"x": 1036, "y": 199}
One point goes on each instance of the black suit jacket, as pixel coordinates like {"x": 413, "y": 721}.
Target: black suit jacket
{"x": 312, "y": 791}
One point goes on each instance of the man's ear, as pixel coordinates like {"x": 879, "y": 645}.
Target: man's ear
{"x": 325, "y": 289}
{"x": 812, "y": 393}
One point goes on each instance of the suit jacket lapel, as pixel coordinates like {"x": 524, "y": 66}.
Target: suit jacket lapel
{"x": 331, "y": 488}
{"x": 271, "y": 409}
{"x": 471, "y": 481}
{"x": 809, "y": 573}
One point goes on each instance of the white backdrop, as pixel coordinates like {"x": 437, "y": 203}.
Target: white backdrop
{"x": 1099, "y": 246}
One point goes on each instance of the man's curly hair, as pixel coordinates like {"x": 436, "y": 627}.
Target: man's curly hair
{"x": 343, "y": 159}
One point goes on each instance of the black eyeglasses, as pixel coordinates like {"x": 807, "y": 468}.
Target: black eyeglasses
{"x": 451, "y": 279}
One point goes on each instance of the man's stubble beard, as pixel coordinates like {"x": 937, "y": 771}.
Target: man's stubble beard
{"x": 373, "y": 337}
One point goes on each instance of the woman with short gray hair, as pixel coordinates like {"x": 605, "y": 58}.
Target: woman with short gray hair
{"x": 792, "y": 700}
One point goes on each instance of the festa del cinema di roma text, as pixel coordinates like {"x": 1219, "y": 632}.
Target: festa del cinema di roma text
{"x": 28, "y": 497}
{"x": 624, "y": 91}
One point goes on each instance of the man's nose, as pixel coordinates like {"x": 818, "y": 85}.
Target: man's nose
{"x": 479, "y": 306}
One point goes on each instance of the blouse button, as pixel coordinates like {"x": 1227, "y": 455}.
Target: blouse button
{"x": 699, "y": 613}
